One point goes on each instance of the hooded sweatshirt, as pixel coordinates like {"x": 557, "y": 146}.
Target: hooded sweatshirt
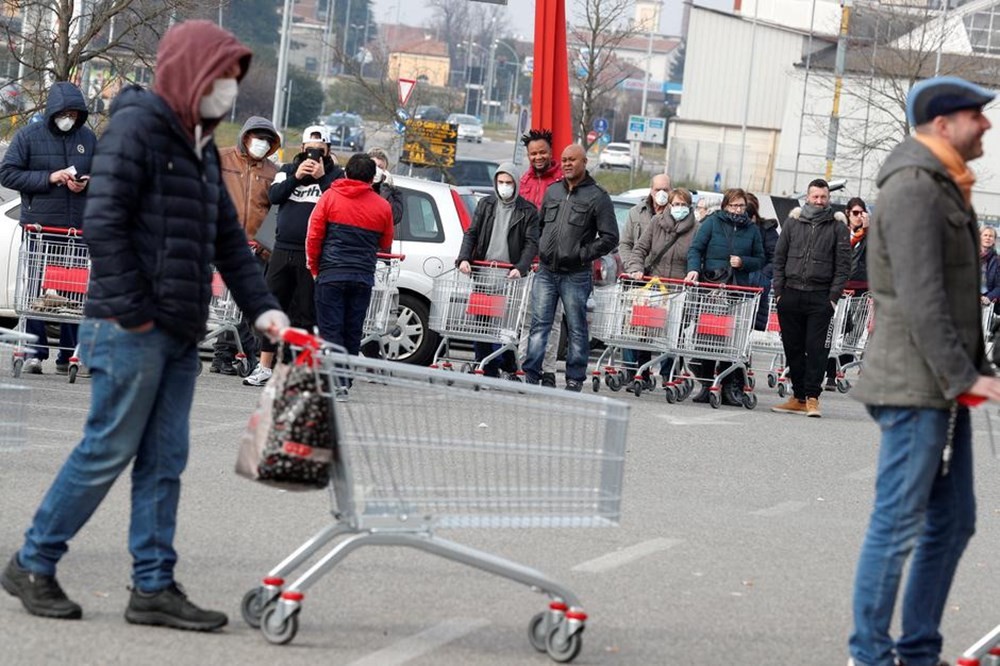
{"x": 516, "y": 243}
{"x": 533, "y": 185}
{"x": 42, "y": 148}
{"x": 503, "y": 214}
{"x": 248, "y": 178}
{"x": 347, "y": 228}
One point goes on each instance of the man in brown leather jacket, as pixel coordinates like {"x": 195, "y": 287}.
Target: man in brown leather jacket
{"x": 247, "y": 173}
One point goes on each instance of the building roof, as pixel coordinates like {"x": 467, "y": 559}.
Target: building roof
{"x": 661, "y": 43}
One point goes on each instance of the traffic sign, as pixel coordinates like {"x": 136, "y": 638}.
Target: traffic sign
{"x": 406, "y": 87}
{"x": 429, "y": 142}
{"x": 656, "y": 129}
{"x": 592, "y": 137}
{"x": 601, "y": 125}
{"x": 636, "y": 128}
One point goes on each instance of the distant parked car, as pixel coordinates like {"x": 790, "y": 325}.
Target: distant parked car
{"x": 465, "y": 172}
{"x": 618, "y": 155}
{"x": 346, "y": 130}
{"x": 428, "y": 112}
{"x": 470, "y": 128}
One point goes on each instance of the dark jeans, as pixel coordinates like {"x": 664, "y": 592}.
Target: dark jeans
{"x": 805, "y": 334}
{"x": 340, "y": 310}
{"x": 573, "y": 290}
{"x": 67, "y": 340}
{"x": 292, "y": 284}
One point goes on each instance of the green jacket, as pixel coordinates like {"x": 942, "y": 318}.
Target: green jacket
{"x": 926, "y": 347}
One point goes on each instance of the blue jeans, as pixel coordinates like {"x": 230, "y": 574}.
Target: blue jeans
{"x": 340, "y": 312}
{"x": 573, "y": 290}
{"x": 67, "y": 340}
{"x": 919, "y": 510}
{"x": 141, "y": 394}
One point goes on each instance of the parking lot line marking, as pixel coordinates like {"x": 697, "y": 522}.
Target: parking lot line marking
{"x": 626, "y": 555}
{"x": 780, "y": 509}
{"x": 418, "y": 645}
{"x": 710, "y": 419}
{"x": 863, "y": 474}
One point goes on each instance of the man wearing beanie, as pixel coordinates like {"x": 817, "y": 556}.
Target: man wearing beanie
{"x": 924, "y": 365}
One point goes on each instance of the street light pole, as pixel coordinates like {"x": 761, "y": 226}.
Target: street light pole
{"x": 279, "y": 84}
{"x": 347, "y": 28}
{"x": 517, "y": 73}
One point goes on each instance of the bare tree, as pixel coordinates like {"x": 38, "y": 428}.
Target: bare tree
{"x": 594, "y": 69}
{"x": 56, "y": 41}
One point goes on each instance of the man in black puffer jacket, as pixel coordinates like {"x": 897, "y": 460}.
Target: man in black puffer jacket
{"x": 157, "y": 218}
{"x": 48, "y": 163}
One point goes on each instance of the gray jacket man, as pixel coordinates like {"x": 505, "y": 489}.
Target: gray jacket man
{"x": 641, "y": 213}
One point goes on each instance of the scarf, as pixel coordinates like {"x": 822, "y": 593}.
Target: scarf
{"x": 952, "y": 161}
{"x": 857, "y": 235}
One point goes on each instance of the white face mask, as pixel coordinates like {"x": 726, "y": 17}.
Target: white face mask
{"x": 661, "y": 198}
{"x": 379, "y": 175}
{"x": 505, "y": 190}
{"x": 679, "y": 212}
{"x": 65, "y": 123}
{"x": 216, "y": 103}
{"x": 258, "y": 148}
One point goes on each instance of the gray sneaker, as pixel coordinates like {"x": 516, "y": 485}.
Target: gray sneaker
{"x": 33, "y": 366}
{"x": 40, "y": 595}
{"x": 258, "y": 377}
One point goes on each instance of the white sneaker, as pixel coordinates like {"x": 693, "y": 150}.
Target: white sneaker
{"x": 258, "y": 377}
{"x": 33, "y": 366}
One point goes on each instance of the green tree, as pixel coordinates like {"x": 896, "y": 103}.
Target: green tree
{"x": 253, "y": 21}
{"x": 677, "y": 66}
{"x": 306, "y": 97}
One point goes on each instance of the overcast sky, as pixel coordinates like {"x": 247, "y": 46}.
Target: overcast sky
{"x": 521, "y": 13}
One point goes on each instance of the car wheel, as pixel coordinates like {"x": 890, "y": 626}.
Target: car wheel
{"x": 410, "y": 338}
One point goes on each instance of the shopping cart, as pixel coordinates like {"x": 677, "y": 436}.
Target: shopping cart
{"x": 851, "y": 331}
{"x": 224, "y": 318}
{"x": 483, "y": 306}
{"x": 53, "y": 272}
{"x": 989, "y": 335}
{"x": 14, "y": 397}
{"x": 642, "y": 314}
{"x": 716, "y": 327}
{"x": 385, "y": 298}
{"x": 420, "y": 449}
{"x": 767, "y": 343}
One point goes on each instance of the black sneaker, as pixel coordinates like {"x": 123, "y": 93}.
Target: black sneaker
{"x": 40, "y": 595}
{"x": 831, "y": 385}
{"x": 549, "y": 379}
{"x": 222, "y": 368}
{"x": 170, "y": 608}
{"x": 62, "y": 368}
{"x": 574, "y": 385}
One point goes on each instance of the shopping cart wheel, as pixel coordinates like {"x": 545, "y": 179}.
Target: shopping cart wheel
{"x": 72, "y": 372}
{"x": 563, "y": 651}
{"x": 771, "y": 381}
{"x": 671, "y": 393}
{"x": 715, "y": 399}
{"x": 637, "y": 386}
{"x": 782, "y": 389}
{"x": 243, "y": 368}
{"x": 614, "y": 382}
{"x": 251, "y": 608}
{"x": 843, "y": 385}
{"x": 17, "y": 367}
{"x": 596, "y": 384}
{"x": 749, "y": 400}
{"x": 536, "y": 632}
{"x": 279, "y": 634}
{"x": 684, "y": 390}
{"x": 751, "y": 381}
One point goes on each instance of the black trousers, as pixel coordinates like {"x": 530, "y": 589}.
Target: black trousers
{"x": 293, "y": 285}
{"x": 805, "y": 334}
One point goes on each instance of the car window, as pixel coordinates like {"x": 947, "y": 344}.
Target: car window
{"x": 14, "y": 213}
{"x": 421, "y": 220}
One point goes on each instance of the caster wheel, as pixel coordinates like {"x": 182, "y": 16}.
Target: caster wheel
{"x": 751, "y": 381}
{"x": 782, "y": 390}
{"x": 637, "y": 387}
{"x": 280, "y": 634}
{"x": 650, "y": 383}
{"x": 749, "y": 400}
{"x": 72, "y": 373}
{"x": 843, "y": 385}
{"x": 771, "y": 381}
{"x": 615, "y": 383}
{"x": 715, "y": 399}
{"x": 251, "y": 608}
{"x": 201, "y": 368}
{"x": 18, "y": 365}
{"x": 243, "y": 368}
{"x": 595, "y": 384}
{"x": 536, "y": 632}
{"x": 563, "y": 651}
{"x": 671, "y": 393}
{"x": 683, "y": 391}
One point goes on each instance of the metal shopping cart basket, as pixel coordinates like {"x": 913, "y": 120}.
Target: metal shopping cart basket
{"x": 385, "y": 298}
{"x": 989, "y": 336}
{"x": 717, "y": 323}
{"x": 484, "y": 306}
{"x": 644, "y": 314}
{"x": 851, "y": 335}
{"x": 53, "y": 272}
{"x": 767, "y": 343}
{"x": 15, "y": 398}
{"x": 224, "y": 318}
{"x": 420, "y": 449}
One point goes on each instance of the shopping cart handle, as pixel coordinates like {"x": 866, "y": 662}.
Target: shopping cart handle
{"x": 714, "y": 285}
{"x": 492, "y": 264}
{"x": 389, "y": 257}
{"x": 71, "y": 231}
{"x": 301, "y": 338}
{"x": 969, "y": 400}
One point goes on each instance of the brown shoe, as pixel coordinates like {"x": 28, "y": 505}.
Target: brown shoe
{"x": 812, "y": 407}
{"x": 792, "y": 406}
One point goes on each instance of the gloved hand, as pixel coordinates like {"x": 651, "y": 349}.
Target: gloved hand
{"x": 271, "y": 323}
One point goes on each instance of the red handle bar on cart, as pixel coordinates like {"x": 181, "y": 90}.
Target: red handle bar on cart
{"x": 301, "y": 338}
{"x": 71, "y": 231}
{"x": 713, "y": 285}
{"x": 389, "y": 257}
{"x": 492, "y": 264}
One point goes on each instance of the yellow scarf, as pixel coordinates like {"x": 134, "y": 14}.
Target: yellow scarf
{"x": 952, "y": 161}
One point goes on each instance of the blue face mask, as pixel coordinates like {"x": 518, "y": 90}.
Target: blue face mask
{"x": 679, "y": 212}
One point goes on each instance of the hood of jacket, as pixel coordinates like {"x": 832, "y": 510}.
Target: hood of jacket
{"x": 64, "y": 96}
{"x": 511, "y": 170}
{"x": 258, "y": 124}
{"x": 910, "y": 153}
{"x": 352, "y": 189}
{"x": 796, "y": 214}
{"x": 190, "y": 57}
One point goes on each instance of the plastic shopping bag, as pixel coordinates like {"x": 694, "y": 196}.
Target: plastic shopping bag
{"x": 289, "y": 441}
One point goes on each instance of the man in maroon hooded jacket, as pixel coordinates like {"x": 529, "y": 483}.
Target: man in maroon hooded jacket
{"x": 158, "y": 218}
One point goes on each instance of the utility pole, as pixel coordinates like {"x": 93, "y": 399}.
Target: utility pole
{"x": 324, "y": 54}
{"x": 347, "y": 29}
{"x": 748, "y": 81}
{"x": 944, "y": 21}
{"x": 279, "y": 83}
{"x": 838, "y": 84}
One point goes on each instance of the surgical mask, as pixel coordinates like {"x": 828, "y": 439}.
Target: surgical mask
{"x": 379, "y": 176}
{"x": 65, "y": 123}
{"x": 661, "y": 198}
{"x": 259, "y": 148}
{"x": 505, "y": 190}
{"x": 679, "y": 212}
{"x": 216, "y": 103}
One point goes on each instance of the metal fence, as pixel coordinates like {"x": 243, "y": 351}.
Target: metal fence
{"x": 697, "y": 161}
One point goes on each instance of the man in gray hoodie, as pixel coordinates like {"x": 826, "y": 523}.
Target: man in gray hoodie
{"x": 504, "y": 229}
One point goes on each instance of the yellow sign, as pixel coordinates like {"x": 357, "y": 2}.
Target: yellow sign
{"x": 430, "y": 143}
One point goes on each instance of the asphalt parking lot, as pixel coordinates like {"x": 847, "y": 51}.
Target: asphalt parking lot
{"x": 738, "y": 541}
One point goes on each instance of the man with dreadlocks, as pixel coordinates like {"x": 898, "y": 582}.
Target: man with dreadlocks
{"x": 543, "y": 171}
